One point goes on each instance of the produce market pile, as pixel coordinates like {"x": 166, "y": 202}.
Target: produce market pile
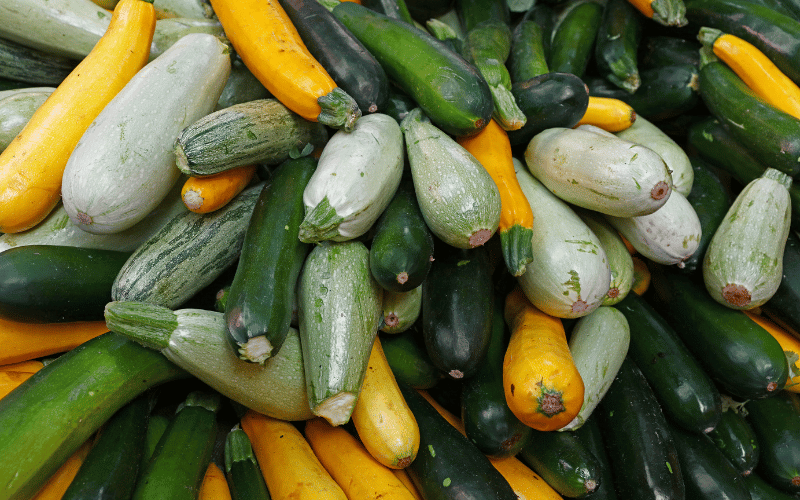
{"x": 442, "y": 249}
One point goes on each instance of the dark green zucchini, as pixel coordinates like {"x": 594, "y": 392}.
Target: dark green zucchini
{"x": 422, "y": 10}
{"x": 710, "y": 199}
{"x": 591, "y": 437}
{"x": 488, "y": 421}
{"x": 564, "y": 462}
{"x": 471, "y": 13}
{"x": 792, "y": 7}
{"x": 686, "y": 394}
{"x": 49, "y": 283}
{"x": 549, "y": 100}
{"x": 258, "y": 311}
{"x": 707, "y": 473}
{"x": 769, "y": 134}
{"x": 527, "y": 58}
{"x": 743, "y": 358}
{"x": 401, "y": 251}
{"x": 245, "y": 480}
{"x": 784, "y": 306}
{"x": 776, "y": 423}
{"x": 664, "y": 92}
{"x": 457, "y": 99}
{"x": 179, "y": 462}
{"x": 396, "y": 9}
{"x": 346, "y": 59}
{"x": 574, "y": 37}
{"x": 74, "y": 395}
{"x": 457, "y": 310}
{"x": 25, "y": 64}
{"x": 112, "y": 465}
{"x": 399, "y": 104}
{"x": 762, "y": 490}
{"x": 644, "y": 459}
{"x": 775, "y": 34}
{"x": 659, "y": 51}
{"x": 448, "y": 466}
{"x": 409, "y": 360}
{"x": 617, "y": 45}
{"x": 736, "y": 440}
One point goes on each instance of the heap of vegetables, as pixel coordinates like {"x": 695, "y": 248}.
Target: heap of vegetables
{"x": 399, "y": 249}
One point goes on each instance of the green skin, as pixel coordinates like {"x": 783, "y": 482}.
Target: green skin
{"x": 574, "y": 39}
{"x": 617, "y": 45}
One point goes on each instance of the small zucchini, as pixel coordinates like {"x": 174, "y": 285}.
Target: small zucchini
{"x": 590, "y": 435}
{"x": 244, "y": 477}
{"x": 735, "y": 438}
{"x": 617, "y": 45}
{"x": 527, "y": 58}
{"x": 401, "y": 310}
{"x": 776, "y": 423}
{"x": 409, "y": 360}
{"x": 574, "y": 36}
{"x": 562, "y": 460}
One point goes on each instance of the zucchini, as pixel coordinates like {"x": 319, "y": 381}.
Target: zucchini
{"x": 401, "y": 251}
{"x": 686, "y": 394}
{"x": 48, "y": 283}
{"x": 573, "y": 37}
{"x": 179, "y": 462}
{"x": 569, "y": 276}
{"x": 457, "y": 311}
{"x": 471, "y": 13}
{"x": 620, "y": 262}
{"x": 548, "y": 100}
{"x": 171, "y": 29}
{"x": 396, "y": 9}
{"x": 661, "y": 50}
{"x": 75, "y": 394}
{"x": 102, "y": 188}
{"x": 598, "y": 172}
{"x": 743, "y": 264}
{"x": 448, "y": 466}
{"x": 617, "y": 45}
{"x": 187, "y": 254}
{"x": 762, "y": 490}
{"x": 195, "y": 340}
{"x": 598, "y": 342}
{"x": 32, "y": 66}
{"x": 241, "y": 86}
{"x": 458, "y": 198}
{"x": 241, "y": 468}
{"x": 260, "y": 131}
{"x": 357, "y": 175}
{"x": 409, "y": 360}
{"x": 776, "y": 424}
{"x": 457, "y": 100}
{"x": 783, "y": 306}
{"x": 15, "y": 111}
{"x": 590, "y": 436}
{"x": 643, "y": 455}
{"x": 112, "y": 465}
{"x": 740, "y": 356}
{"x": 401, "y": 309}
{"x": 258, "y": 308}
{"x": 736, "y": 439}
{"x": 527, "y": 58}
{"x": 156, "y": 425}
{"x": 340, "y": 309}
{"x": 563, "y": 462}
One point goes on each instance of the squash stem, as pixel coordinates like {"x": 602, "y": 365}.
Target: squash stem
{"x": 339, "y": 110}
{"x": 320, "y": 224}
{"x": 778, "y": 176}
{"x": 517, "y": 248}
{"x": 669, "y": 12}
{"x": 238, "y": 448}
{"x": 148, "y": 324}
{"x": 506, "y": 111}
{"x": 707, "y": 36}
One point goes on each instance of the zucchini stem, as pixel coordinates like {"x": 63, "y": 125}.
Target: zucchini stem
{"x": 148, "y": 324}
{"x": 339, "y": 110}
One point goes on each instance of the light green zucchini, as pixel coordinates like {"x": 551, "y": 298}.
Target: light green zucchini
{"x": 24, "y": 64}
{"x": 123, "y": 166}
{"x": 196, "y": 340}
{"x": 339, "y": 306}
{"x": 457, "y": 196}
{"x": 647, "y": 134}
{"x": 569, "y": 276}
{"x": 15, "y": 111}
{"x": 743, "y": 265}
{"x": 601, "y": 173}
{"x": 401, "y": 309}
{"x": 261, "y": 131}
{"x": 357, "y": 176}
{"x": 620, "y": 261}
{"x": 186, "y": 254}
{"x": 668, "y": 236}
{"x": 171, "y": 29}
{"x": 599, "y": 343}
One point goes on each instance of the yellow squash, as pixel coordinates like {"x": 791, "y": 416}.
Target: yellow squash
{"x": 214, "y": 485}
{"x": 203, "y": 195}
{"x": 24, "y": 341}
{"x": 527, "y": 484}
{"x": 608, "y": 113}
{"x": 31, "y": 166}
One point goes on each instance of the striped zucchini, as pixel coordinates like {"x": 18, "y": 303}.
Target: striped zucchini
{"x": 261, "y": 131}
{"x": 186, "y": 254}
{"x": 24, "y": 64}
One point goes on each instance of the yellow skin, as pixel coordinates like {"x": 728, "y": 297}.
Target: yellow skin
{"x": 611, "y": 115}
{"x": 32, "y": 166}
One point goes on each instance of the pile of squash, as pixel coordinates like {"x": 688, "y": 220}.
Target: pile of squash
{"x": 487, "y": 249}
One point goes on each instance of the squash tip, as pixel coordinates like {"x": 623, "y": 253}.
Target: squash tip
{"x": 736, "y": 295}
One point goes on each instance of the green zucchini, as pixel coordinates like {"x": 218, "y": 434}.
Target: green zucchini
{"x": 171, "y": 29}
{"x": 643, "y": 455}
{"x": 258, "y": 309}
{"x": 762, "y": 490}
{"x": 707, "y": 473}
{"x": 776, "y": 423}
{"x": 260, "y": 131}
{"x": 740, "y": 356}
{"x": 15, "y": 111}
{"x": 488, "y": 421}
{"x": 112, "y": 465}
{"x": 471, "y": 13}
{"x": 242, "y": 86}
{"x": 448, "y": 466}
{"x": 564, "y": 462}
{"x": 458, "y": 198}
{"x": 686, "y": 394}
{"x": 179, "y": 462}
{"x": 457, "y": 100}
{"x": 188, "y": 253}
{"x": 245, "y": 479}
{"x": 401, "y": 251}
{"x": 658, "y": 51}
{"x": 401, "y": 309}
{"x": 48, "y": 283}
{"x": 527, "y": 58}
{"x": 196, "y": 340}
{"x": 457, "y": 311}
{"x": 769, "y": 134}
{"x": 590, "y": 436}
{"x": 156, "y": 425}
{"x": 784, "y": 305}
{"x": 735, "y": 438}
{"x": 75, "y": 394}
{"x": 617, "y": 45}
{"x": 620, "y": 262}
{"x": 409, "y": 360}
{"x": 24, "y": 64}
{"x": 340, "y": 310}
{"x": 396, "y": 9}
{"x": 574, "y": 36}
